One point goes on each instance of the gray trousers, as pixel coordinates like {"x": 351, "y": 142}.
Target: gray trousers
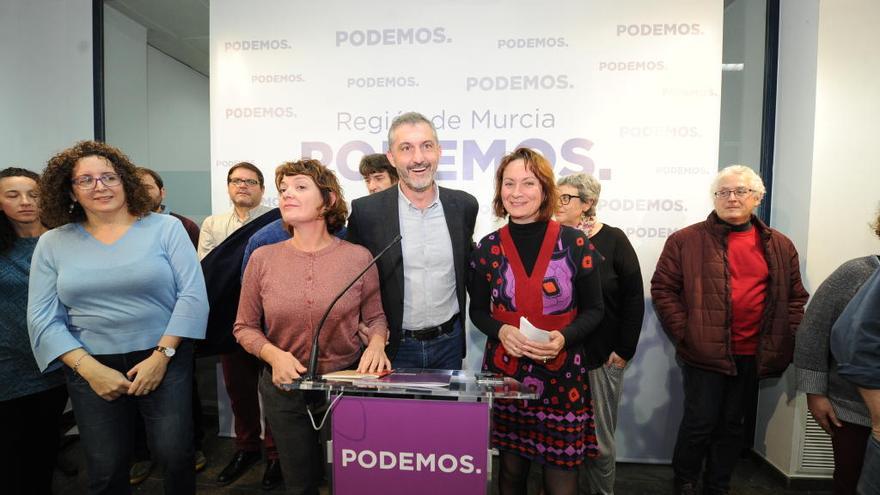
{"x": 597, "y": 475}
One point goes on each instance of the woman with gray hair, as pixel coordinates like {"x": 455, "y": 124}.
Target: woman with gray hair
{"x": 614, "y": 342}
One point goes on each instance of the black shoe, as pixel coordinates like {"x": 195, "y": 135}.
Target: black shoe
{"x": 240, "y": 463}
{"x": 685, "y": 488}
{"x": 272, "y": 477}
{"x": 66, "y": 466}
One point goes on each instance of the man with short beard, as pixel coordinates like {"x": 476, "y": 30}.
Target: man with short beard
{"x": 152, "y": 181}
{"x": 423, "y": 276}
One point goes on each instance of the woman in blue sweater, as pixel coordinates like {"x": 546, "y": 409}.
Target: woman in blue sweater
{"x": 31, "y": 401}
{"x": 115, "y": 295}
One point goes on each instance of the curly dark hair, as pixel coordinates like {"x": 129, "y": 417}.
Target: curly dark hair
{"x": 325, "y": 179}
{"x": 7, "y": 231}
{"x": 56, "y": 189}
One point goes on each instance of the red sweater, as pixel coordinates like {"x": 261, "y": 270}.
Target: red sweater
{"x": 748, "y": 288}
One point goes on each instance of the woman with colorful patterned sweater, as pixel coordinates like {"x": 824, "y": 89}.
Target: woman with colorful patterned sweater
{"x": 535, "y": 268}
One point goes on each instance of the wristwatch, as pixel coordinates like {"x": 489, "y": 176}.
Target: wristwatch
{"x": 166, "y": 351}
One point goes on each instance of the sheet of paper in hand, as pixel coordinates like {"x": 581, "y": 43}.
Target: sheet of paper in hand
{"x": 532, "y": 332}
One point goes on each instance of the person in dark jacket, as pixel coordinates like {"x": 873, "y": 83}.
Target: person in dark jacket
{"x": 422, "y": 276}
{"x": 613, "y": 344}
{"x": 728, "y": 293}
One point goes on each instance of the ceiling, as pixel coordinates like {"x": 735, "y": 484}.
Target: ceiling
{"x": 178, "y": 28}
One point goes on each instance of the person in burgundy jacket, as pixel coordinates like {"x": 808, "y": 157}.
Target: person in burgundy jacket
{"x": 728, "y": 293}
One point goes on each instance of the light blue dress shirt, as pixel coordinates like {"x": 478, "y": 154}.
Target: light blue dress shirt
{"x": 429, "y": 296}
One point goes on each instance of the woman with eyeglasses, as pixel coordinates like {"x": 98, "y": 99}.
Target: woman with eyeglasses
{"x": 29, "y": 400}
{"x": 533, "y": 267}
{"x": 116, "y": 294}
{"x": 613, "y": 344}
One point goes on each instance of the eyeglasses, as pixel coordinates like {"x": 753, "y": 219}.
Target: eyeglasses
{"x": 739, "y": 192}
{"x": 243, "y": 182}
{"x": 565, "y": 199}
{"x": 86, "y": 182}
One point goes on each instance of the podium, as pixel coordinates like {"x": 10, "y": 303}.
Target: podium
{"x": 413, "y": 431}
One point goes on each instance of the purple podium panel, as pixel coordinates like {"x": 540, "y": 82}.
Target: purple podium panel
{"x": 401, "y": 447}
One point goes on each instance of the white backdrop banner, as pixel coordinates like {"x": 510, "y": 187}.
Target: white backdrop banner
{"x": 626, "y": 91}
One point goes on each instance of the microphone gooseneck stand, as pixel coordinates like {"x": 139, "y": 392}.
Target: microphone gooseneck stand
{"x": 312, "y": 373}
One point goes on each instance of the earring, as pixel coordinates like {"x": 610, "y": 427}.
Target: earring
{"x": 72, "y": 205}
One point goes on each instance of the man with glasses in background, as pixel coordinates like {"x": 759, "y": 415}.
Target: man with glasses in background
{"x": 244, "y": 183}
{"x": 729, "y": 295}
{"x": 241, "y": 370}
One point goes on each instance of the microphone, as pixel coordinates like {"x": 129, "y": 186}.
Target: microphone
{"x": 312, "y": 374}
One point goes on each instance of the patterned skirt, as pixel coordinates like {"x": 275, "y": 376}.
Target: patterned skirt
{"x": 557, "y": 428}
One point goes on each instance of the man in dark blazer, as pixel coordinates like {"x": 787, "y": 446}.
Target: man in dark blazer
{"x": 423, "y": 276}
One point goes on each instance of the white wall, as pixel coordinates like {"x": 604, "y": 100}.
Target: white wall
{"x": 846, "y": 160}
{"x": 177, "y": 109}
{"x": 46, "y": 84}
{"x": 827, "y": 168}
{"x": 157, "y": 113}
{"x": 125, "y": 86}
{"x": 179, "y": 133}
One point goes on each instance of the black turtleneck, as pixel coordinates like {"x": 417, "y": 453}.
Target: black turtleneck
{"x": 588, "y": 290}
{"x": 527, "y": 237}
{"x": 743, "y": 227}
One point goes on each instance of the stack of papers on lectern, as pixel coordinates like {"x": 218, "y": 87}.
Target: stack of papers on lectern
{"x": 353, "y": 375}
{"x": 418, "y": 379}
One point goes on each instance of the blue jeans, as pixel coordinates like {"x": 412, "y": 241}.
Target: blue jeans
{"x": 869, "y": 483}
{"x": 442, "y": 353}
{"x": 106, "y": 428}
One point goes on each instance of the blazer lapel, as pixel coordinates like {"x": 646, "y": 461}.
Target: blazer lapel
{"x": 456, "y": 229}
{"x": 391, "y": 228}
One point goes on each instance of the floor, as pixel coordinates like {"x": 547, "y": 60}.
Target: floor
{"x": 752, "y": 477}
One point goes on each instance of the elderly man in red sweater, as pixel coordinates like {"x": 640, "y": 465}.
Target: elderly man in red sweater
{"x": 729, "y": 295}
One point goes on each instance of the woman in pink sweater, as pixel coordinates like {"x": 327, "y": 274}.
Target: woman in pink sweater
{"x": 286, "y": 288}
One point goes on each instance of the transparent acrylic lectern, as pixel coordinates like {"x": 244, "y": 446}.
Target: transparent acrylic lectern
{"x": 413, "y": 431}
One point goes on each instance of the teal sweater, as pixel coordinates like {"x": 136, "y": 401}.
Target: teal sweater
{"x": 19, "y": 375}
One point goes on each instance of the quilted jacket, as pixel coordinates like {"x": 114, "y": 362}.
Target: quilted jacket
{"x": 691, "y": 294}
